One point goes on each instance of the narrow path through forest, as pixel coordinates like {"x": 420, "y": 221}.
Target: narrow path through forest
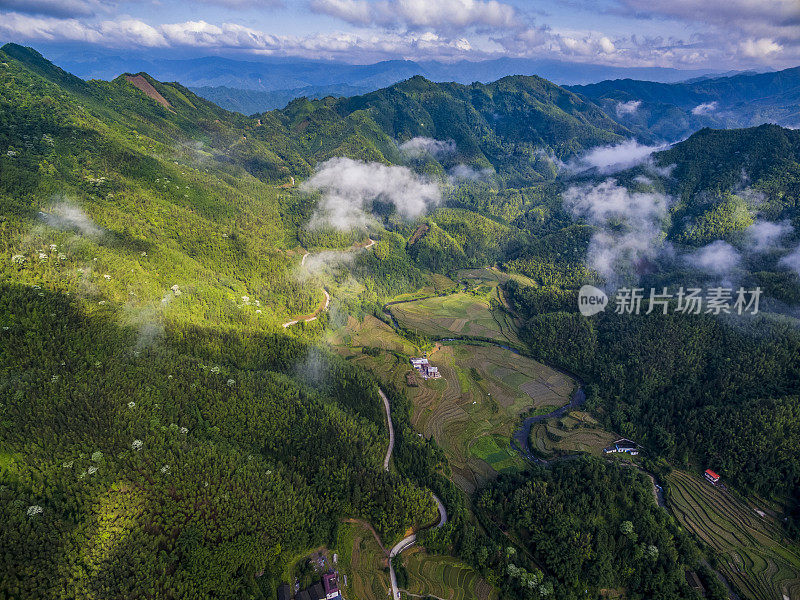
{"x": 407, "y": 541}
{"x": 327, "y": 303}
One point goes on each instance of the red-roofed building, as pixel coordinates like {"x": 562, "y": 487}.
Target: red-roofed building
{"x": 330, "y": 581}
{"x": 711, "y": 476}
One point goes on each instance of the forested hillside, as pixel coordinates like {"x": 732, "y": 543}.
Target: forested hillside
{"x": 718, "y": 390}
{"x": 159, "y": 437}
{"x": 595, "y": 527}
{"x": 510, "y": 126}
{"x": 674, "y": 110}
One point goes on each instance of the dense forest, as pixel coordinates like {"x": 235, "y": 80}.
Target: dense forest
{"x": 594, "y": 526}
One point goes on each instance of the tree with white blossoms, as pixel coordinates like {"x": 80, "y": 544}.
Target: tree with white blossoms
{"x": 34, "y": 510}
{"x": 97, "y": 456}
{"x": 18, "y": 259}
{"x": 231, "y": 382}
{"x": 137, "y": 444}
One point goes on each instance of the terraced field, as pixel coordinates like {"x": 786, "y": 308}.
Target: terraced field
{"x": 444, "y": 577}
{"x": 363, "y": 562}
{"x": 370, "y": 333}
{"x": 495, "y": 451}
{"x": 459, "y": 315}
{"x": 473, "y": 410}
{"x": 577, "y": 432}
{"x": 757, "y": 559}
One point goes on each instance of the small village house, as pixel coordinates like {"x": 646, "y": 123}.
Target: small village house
{"x": 623, "y": 446}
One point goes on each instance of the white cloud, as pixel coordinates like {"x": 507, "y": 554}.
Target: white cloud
{"x": 754, "y": 30}
{"x": 705, "y": 108}
{"x": 132, "y": 31}
{"x": 628, "y": 108}
{"x": 613, "y": 158}
{"x": 417, "y": 14}
{"x": 69, "y": 217}
{"x": 419, "y": 146}
{"x": 126, "y": 33}
{"x": 463, "y": 172}
{"x": 628, "y": 226}
{"x": 349, "y": 187}
{"x": 766, "y": 235}
{"x": 761, "y": 48}
{"x": 717, "y": 258}
{"x": 717, "y": 34}
{"x": 792, "y": 260}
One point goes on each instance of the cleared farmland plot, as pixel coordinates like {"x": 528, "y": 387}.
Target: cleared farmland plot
{"x": 756, "y": 558}
{"x": 364, "y": 563}
{"x": 576, "y": 432}
{"x": 370, "y": 333}
{"x": 444, "y": 577}
{"x": 459, "y": 315}
{"x": 474, "y": 409}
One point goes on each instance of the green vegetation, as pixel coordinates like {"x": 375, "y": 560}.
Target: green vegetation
{"x": 444, "y": 577}
{"x": 495, "y": 451}
{"x": 363, "y": 561}
{"x": 177, "y": 442}
{"x": 163, "y": 436}
{"x": 575, "y": 432}
{"x": 365, "y": 126}
{"x": 592, "y": 526}
{"x": 748, "y": 543}
{"x": 466, "y": 315}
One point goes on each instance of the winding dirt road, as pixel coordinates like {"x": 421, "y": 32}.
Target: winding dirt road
{"x": 391, "y": 429}
{"x": 324, "y": 307}
{"x": 410, "y": 540}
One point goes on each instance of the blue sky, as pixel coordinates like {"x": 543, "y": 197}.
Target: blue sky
{"x": 716, "y": 34}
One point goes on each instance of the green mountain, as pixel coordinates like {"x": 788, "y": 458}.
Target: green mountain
{"x": 510, "y": 125}
{"x": 161, "y": 436}
{"x": 249, "y": 102}
{"x": 671, "y": 111}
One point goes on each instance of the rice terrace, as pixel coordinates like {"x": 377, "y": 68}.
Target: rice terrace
{"x": 443, "y": 577}
{"x": 753, "y": 552}
{"x": 475, "y": 313}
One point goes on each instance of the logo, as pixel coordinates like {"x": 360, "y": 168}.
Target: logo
{"x": 591, "y": 300}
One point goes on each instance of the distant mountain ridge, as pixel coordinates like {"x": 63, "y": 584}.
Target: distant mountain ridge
{"x": 249, "y": 102}
{"x": 512, "y": 127}
{"x": 675, "y": 110}
{"x": 238, "y": 78}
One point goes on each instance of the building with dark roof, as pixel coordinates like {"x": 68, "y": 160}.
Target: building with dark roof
{"x": 317, "y": 591}
{"x": 283, "y": 592}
